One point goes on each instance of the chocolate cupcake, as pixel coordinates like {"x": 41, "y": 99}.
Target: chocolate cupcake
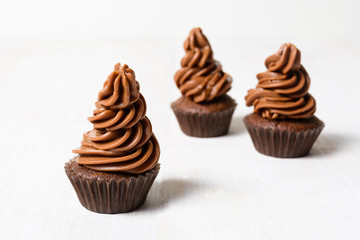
{"x": 117, "y": 162}
{"x": 283, "y": 123}
{"x": 204, "y": 110}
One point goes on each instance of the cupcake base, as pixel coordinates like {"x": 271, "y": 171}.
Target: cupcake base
{"x": 104, "y": 192}
{"x": 285, "y": 138}
{"x": 209, "y": 119}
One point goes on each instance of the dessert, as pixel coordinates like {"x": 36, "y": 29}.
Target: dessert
{"x": 283, "y": 123}
{"x": 204, "y": 110}
{"x": 118, "y": 160}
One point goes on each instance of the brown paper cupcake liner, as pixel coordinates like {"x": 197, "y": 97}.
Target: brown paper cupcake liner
{"x": 203, "y": 124}
{"x": 108, "y": 194}
{"x": 282, "y": 143}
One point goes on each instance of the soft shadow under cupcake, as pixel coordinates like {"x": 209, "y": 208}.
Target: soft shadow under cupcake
{"x": 168, "y": 190}
{"x": 329, "y": 143}
{"x": 236, "y": 126}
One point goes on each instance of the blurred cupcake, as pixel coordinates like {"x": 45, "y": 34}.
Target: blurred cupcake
{"x": 118, "y": 160}
{"x": 283, "y": 123}
{"x": 204, "y": 110}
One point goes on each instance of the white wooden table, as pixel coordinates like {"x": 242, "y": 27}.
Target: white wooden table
{"x": 218, "y": 188}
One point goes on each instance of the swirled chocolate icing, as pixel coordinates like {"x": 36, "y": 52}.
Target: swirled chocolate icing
{"x": 122, "y": 138}
{"x": 201, "y": 77}
{"x": 282, "y": 91}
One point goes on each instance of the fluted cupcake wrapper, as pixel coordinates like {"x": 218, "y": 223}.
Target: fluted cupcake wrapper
{"x": 282, "y": 143}
{"x": 113, "y": 196}
{"x": 204, "y": 124}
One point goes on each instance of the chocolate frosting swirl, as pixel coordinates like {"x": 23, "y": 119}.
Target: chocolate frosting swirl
{"x": 122, "y": 138}
{"x": 201, "y": 77}
{"x": 282, "y": 91}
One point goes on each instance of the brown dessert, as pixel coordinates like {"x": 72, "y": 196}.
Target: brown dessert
{"x": 204, "y": 110}
{"x": 283, "y": 123}
{"x": 118, "y": 160}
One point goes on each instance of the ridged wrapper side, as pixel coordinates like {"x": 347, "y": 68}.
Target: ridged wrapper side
{"x": 204, "y": 124}
{"x": 117, "y": 195}
{"x": 282, "y": 143}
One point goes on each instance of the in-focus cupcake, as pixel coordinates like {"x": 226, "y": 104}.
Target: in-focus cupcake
{"x": 204, "y": 110}
{"x": 283, "y": 123}
{"x": 117, "y": 162}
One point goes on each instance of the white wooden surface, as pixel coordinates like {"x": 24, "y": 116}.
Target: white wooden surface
{"x": 218, "y": 188}
{"x": 54, "y": 57}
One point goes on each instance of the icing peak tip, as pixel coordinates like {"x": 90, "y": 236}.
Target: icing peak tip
{"x": 120, "y": 88}
{"x": 286, "y": 59}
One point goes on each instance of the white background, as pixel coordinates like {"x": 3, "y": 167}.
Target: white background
{"x": 54, "y": 57}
